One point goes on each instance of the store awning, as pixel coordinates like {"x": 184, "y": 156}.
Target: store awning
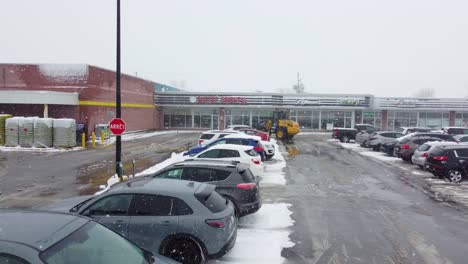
{"x": 38, "y": 97}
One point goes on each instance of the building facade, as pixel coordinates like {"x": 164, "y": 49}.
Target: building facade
{"x": 312, "y": 111}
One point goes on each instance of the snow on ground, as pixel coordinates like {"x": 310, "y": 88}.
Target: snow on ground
{"x": 274, "y": 170}
{"x": 379, "y": 155}
{"x": 307, "y": 133}
{"x": 21, "y": 149}
{"x": 262, "y": 236}
{"x": 145, "y": 134}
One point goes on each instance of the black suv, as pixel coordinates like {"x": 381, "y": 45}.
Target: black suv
{"x": 448, "y": 161}
{"x": 233, "y": 180}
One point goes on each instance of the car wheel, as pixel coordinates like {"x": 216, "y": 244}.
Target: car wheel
{"x": 346, "y": 139}
{"x": 421, "y": 167}
{"x": 455, "y": 176}
{"x": 184, "y": 250}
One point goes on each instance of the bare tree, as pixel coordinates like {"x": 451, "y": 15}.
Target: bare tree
{"x": 299, "y": 86}
{"x": 425, "y": 93}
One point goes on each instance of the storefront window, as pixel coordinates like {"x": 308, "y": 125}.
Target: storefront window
{"x": 461, "y": 119}
{"x": 177, "y": 118}
{"x": 371, "y": 118}
{"x": 401, "y": 119}
{"x": 435, "y": 120}
{"x": 337, "y": 118}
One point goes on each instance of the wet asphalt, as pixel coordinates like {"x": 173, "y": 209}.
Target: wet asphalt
{"x": 29, "y": 180}
{"x": 350, "y": 209}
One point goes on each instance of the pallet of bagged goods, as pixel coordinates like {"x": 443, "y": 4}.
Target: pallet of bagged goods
{"x": 11, "y": 131}
{"x": 64, "y": 133}
{"x": 43, "y": 132}
{"x": 26, "y": 132}
{"x": 3, "y": 118}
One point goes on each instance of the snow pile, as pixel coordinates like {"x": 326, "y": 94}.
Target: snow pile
{"x": 274, "y": 172}
{"x": 64, "y": 73}
{"x": 262, "y": 236}
{"x": 35, "y": 149}
{"x": 379, "y": 155}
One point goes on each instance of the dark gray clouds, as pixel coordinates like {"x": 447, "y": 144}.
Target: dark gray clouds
{"x": 387, "y": 48}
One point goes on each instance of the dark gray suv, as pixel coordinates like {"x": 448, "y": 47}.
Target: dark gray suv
{"x": 34, "y": 237}
{"x": 233, "y": 180}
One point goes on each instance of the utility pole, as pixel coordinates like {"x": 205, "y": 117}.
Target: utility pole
{"x": 118, "y": 114}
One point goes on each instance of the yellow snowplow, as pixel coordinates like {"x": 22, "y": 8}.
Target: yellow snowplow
{"x": 283, "y": 128}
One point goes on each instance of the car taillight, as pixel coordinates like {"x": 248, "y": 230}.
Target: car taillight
{"x": 200, "y": 141}
{"x": 337, "y": 132}
{"x": 440, "y": 158}
{"x": 256, "y": 161}
{"x": 246, "y": 186}
{"x": 258, "y": 149}
{"x": 218, "y": 223}
{"x": 405, "y": 146}
{"x": 424, "y": 154}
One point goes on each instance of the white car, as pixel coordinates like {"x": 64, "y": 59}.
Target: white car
{"x": 242, "y": 154}
{"x": 212, "y": 135}
{"x": 419, "y": 156}
{"x": 268, "y": 149}
{"x": 237, "y": 127}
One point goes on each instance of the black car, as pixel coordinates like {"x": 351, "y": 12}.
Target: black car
{"x": 233, "y": 180}
{"x": 448, "y": 161}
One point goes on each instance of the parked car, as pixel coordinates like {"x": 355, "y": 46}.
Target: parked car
{"x": 409, "y": 130}
{"x": 419, "y": 156}
{"x": 461, "y": 138}
{"x": 186, "y": 221}
{"x": 210, "y": 136}
{"x": 376, "y": 139}
{"x": 237, "y": 140}
{"x": 388, "y": 147}
{"x": 448, "y": 161}
{"x": 254, "y": 132}
{"x": 455, "y": 130}
{"x": 347, "y": 134}
{"x": 240, "y": 154}
{"x": 406, "y": 147}
{"x": 233, "y": 180}
{"x": 442, "y": 136}
{"x": 268, "y": 149}
{"x": 237, "y": 127}
{"x": 50, "y": 237}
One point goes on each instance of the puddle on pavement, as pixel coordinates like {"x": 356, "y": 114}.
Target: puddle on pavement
{"x": 293, "y": 151}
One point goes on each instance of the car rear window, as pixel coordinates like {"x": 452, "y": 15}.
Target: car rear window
{"x": 215, "y": 202}
{"x": 251, "y": 152}
{"x": 247, "y": 175}
{"x": 437, "y": 151}
{"x": 207, "y": 136}
{"x": 424, "y": 147}
{"x": 405, "y": 140}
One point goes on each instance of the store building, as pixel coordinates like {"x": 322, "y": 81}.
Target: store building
{"x": 312, "y": 111}
{"x": 83, "y": 92}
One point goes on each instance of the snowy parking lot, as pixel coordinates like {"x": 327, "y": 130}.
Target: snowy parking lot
{"x": 439, "y": 189}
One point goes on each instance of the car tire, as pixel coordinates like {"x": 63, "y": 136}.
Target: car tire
{"x": 269, "y": 157}
{"x": 421, "y": 167}
{"x": 346, "y": 139}
{"x": 184, "y": 250}
{"x": 455, "y": 175}
{"x": 376, "y": 148}
{"x": 363, "y": 144}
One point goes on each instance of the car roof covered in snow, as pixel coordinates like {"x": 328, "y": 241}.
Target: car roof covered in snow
{"x": 441, "y": 143}
{"x": 231, "y": 147}
{"x": 241, "y": 135}
{"x": 37, "y": 229}
{"x": 159, "y": 186}
{"x": 220, "y": 132}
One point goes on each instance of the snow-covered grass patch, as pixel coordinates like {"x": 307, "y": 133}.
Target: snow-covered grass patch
{"x": 34, "y": 149}
{"x": 262, "y": 236}
{"x": 274, "y": 170}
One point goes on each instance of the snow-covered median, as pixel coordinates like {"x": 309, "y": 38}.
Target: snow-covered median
{"x": 34, "y": 149}
{"x": 274, "y": 173}
{"x": 262, "y": 236}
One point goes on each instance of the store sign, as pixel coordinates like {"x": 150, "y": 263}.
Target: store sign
{"x": 219, "y": 100}
{"x": 407, "y": 103}
{"x": 349, "y": 101}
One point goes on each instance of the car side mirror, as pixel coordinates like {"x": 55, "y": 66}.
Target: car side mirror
{"x": 86, "y": 212}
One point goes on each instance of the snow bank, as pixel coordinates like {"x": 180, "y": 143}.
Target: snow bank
{"x": 274, "y": 171}
{"x": 262, "y": 236}
{"x": 380, "y": 156}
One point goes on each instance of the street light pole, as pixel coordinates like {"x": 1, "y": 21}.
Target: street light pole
{"x": 118, "y": 114}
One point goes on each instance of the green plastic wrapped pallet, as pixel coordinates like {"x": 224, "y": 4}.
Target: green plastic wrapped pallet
{"x": 3, "y": 118}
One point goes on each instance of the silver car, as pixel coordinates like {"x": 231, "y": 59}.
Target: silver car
{"x": 183, "y": 220}
{"x": 419, "y": 156}
{"x": 376, "y": 139}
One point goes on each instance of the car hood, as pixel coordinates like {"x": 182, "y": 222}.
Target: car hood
{"x": 66, "y": 204}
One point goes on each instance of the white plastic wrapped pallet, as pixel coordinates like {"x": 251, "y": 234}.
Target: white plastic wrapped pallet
{"x": 26, "y": 132}
{"x": 43, "y": 132}
{"x": 64, "y": 132}
{"x": 11, "y": 131}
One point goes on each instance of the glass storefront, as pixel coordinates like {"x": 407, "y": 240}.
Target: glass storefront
{"x": 369, "y": 117}
{"x": 183, "y": 118}
{"x": 435, "y": 120}
{"x": 461, "y": 119}
{"x": 337, "y": 118}
{"x": 401, "y": 119}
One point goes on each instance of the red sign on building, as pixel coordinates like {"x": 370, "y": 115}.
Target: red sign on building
{"x": 117, "y": 126}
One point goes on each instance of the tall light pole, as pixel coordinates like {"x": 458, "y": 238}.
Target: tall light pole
{"x": 118, "y": 114}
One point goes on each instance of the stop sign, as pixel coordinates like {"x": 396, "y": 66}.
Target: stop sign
{"x": 117, "y": 126}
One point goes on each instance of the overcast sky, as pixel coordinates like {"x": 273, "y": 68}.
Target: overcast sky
{"x": 385, "y": 48}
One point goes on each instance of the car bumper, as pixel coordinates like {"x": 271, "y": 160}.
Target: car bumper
{"x": 418, "y": 160}
{"x": 226, "y": 248}
{"x": 250, "y": 208}
{"x": 436, "y": 170}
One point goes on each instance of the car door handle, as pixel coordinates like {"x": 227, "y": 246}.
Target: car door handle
{"x": 167, "y": 222}
{"x": 119, "y": 221}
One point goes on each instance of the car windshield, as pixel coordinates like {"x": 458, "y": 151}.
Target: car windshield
{"x": 94, "y": 244}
